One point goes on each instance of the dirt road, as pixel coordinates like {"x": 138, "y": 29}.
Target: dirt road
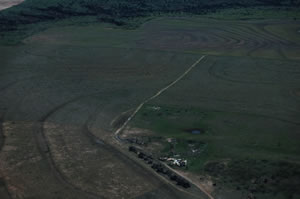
{"x": 120, "y": 129}
{"x": 156, "y": 95}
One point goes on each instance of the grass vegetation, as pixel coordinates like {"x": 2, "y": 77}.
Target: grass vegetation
{"x": 287, "y": 13}
{"x": 227, "y": 134}
{"x": 244, "y": 95}
{"x": 76, "y": 78}
{"x": 33, "y": 16}
{"x": 244, "y": 101}
{"x": 241, "y": 151}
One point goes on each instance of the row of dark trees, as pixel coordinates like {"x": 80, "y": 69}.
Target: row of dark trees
{"x": 160, "y": 168}
{"x": 33, "y": 11}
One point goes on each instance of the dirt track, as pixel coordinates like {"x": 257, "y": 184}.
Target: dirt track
{"x": 123, "y": 126}
{"x": 155, "y": 96}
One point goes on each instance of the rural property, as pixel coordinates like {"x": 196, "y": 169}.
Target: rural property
{"x": 161, "y": 99}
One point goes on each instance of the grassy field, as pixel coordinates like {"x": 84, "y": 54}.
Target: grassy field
{"x": 256, "y": 13}
{"x": 244, "y": 97}
{"x": 62, "y": 87}
{"x": 60, "y": 84}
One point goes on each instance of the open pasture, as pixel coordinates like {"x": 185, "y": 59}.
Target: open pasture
{"x": 58, "y": 100}
{"x": 244, "y": 98}
{"x": 262, "y": 38}
{"x": 61, "y": 89}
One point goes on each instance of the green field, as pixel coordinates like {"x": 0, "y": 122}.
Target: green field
{"x": 62, "y": 87}
{"x": 244, "y": 97}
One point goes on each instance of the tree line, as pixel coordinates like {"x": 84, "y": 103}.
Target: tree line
{"x": 33, "y": 11}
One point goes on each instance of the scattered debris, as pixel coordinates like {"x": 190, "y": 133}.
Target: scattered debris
{"x": 174, "y": 161}
{"x": 155, "y": 108}
{"x": 195, "y": 150}
{"x": 177, "y": 162}
{"x": 171, "y": 140}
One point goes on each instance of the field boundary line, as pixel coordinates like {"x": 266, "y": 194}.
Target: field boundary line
{"x": 156, "y": 95}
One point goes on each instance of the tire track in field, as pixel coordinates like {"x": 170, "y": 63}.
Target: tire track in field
{"x": 221, "y": 76}
{"x": 44, "y": 147}
{"x": 17, "y": 81}
{"x": 117, "y": 132}
{"x": 219, "y": 73}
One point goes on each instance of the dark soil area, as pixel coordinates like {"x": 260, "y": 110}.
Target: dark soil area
{"x": 257, "y": 176}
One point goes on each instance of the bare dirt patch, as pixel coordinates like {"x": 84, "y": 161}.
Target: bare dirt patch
{"x": 81, "y": 161}
{"x": 129, "y": 132}
{"x": 9, "y": 3}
